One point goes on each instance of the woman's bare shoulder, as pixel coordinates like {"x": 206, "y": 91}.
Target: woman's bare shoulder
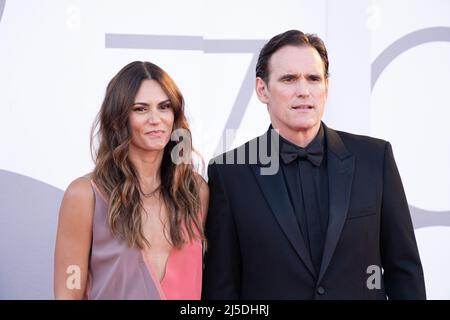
{"x": 78, "y": 201}
{"x": 79, "y": 189}
{"x": 204, "y": 189}
{"x": 204, "y": 194}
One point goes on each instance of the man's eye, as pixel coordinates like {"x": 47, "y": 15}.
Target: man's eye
{"x": 288, "y": 79}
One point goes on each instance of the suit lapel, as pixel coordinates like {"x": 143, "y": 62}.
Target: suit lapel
{"x": 340, "y": 176}
{"x": 275, "y": 192}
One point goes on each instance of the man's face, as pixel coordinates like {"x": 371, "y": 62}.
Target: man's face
{"x": 296, "y": 90}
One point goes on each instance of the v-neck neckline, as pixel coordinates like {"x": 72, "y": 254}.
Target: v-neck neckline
{"x": 159, "y": 283}
{"x": 151, "y": 270}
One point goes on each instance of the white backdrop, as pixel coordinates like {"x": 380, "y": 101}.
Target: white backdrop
{"x": 57, "y": 56}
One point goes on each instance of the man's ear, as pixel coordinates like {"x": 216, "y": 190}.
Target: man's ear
{"x": 261, "y": 90}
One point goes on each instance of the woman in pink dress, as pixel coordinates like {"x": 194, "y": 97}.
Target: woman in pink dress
{"x": 133, "y": 228}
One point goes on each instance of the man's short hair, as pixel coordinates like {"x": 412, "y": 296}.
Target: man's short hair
{"x": 292, "y": 38}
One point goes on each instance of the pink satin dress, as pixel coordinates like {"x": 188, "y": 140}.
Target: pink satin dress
{"x": 119, "y": 272}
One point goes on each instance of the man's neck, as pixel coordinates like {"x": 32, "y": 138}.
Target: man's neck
{"x": 301, "y": 138}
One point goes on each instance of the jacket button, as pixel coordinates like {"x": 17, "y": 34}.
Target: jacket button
{"x": 321, "y": 290}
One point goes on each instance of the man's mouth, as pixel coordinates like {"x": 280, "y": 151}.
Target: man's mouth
{"x": 303, "y": 107}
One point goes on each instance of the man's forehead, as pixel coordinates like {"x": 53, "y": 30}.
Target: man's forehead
{"x": 296, "y": 60}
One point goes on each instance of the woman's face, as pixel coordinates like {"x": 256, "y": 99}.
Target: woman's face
{"x": 151, "y": 118}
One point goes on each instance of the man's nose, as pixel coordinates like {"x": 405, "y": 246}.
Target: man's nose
{"x": 302, "y": 88}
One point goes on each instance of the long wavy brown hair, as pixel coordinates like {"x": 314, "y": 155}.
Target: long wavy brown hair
{"x": 117, "y": 177}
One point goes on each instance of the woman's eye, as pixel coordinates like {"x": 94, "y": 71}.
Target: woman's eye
{"x": 165, "y": 106}
{"x": 139, "y": 109}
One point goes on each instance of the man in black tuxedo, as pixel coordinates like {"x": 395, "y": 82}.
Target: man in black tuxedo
{"x": 326, "y": 217}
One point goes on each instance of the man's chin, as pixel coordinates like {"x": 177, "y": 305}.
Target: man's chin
{"x": 305, "y": 125}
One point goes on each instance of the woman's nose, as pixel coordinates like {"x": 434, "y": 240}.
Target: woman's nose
{"x": 154, "y": 117}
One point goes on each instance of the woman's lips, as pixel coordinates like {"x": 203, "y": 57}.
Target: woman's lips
{"x": 155, "y": 133}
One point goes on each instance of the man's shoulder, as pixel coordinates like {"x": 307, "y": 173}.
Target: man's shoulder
{"x": 239, "y": 156}
{"x": 366, "y": 149}
{"x": 358, "y": 141}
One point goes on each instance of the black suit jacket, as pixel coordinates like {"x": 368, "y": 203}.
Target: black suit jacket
{"x": 256, "y": 250}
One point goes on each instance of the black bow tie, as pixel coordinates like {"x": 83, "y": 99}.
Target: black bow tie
{"x": 313, "y": 153}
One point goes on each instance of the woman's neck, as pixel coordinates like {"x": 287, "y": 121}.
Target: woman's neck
{"x": 148, "y": 167}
